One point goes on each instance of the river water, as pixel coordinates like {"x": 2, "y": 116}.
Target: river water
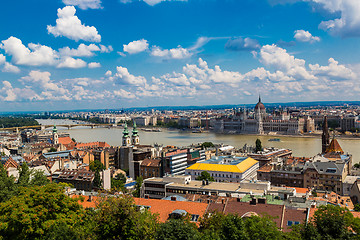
{"x": 301, "y": 146}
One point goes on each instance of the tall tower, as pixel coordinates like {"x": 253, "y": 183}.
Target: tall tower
{"x": 260, "y": 128}
{"x": 135, "y": 136}
{"x": 325, "y": 137}
{"x": 126, "y": 141}
{"x": 55, "y": 135}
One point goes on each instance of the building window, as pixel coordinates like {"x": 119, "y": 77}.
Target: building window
{"x": 194, "y": 218}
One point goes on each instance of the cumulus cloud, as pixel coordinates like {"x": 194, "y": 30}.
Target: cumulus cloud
{"x": 70, "y": 62}
{"x": 334, "y": 70}
{"x": 136, "y": 46}
{"x": 84, "y": 4}
{"x": 33, "y": 55}
{"x": 124, "y": 77}
{"x": 279, "y": 59}
{"x": 70, "y": 26}
{"x": 348, "y": 25}
{"x": 124, "y": 94}
{"x": 94, "y": 65}
{"x": 305, "y": 36}
{"x": 7, "y": 67}
{"x": 174, "y": 53}
{"x": 82, "y": 50}
{"x": 240, "y": 44}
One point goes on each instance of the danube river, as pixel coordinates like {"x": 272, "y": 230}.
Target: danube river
{"x": 301, "y": 146}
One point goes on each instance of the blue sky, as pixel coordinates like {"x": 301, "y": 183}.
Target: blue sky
{"x": 87, "y": 54}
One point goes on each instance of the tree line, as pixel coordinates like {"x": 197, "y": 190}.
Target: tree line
{"x": 7, "y": 122}
{"x": 33, "y": 208}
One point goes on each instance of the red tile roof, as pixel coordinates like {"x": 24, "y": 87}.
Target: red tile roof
{"x": 165, "y": 207}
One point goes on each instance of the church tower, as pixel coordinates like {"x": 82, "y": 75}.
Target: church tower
{"x": 55, "y": 135}
{"x": 126, "y": 141}
{"x": 135, "y": 136}
{"x": 325, "y": 137}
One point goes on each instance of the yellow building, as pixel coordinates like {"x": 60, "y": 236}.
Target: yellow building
{"x": 226, "y": 168}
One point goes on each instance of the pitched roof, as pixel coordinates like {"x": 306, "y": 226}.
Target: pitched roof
{"x": 92, "y": 145}
{"x": 334, "y": 147}
{"x": 65, "y": 140}
{"x": 151, "y": 163}
{"x": 166, "y": 207}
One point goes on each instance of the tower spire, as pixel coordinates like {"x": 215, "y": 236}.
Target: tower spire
{"x": 259, "y": 98}
{"x": 325, "y": 137}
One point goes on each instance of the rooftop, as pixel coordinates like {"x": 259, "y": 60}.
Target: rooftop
{"x": 225, "y": 164}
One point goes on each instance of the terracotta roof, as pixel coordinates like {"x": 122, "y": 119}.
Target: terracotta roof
{"x": 87, "y": 202}
{"x": 265, "y": 168}
{"x": 151, "y": 163}
{"x": 334, "y": 147}
{"x": 65, "y": 140}
{"x": 166, "y": 207}
{"x": 92, "y": 145}
{"x": 11, "y": 163}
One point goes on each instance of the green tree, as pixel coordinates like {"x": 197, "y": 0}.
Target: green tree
{"x": 205, "y": 176}
{"x": 118, "y": 182}
{"x": 24, "y": 175}
{"x": 137, "y": 191}
{"x": 119, "y": 218}
{"x": 207, "y": 145}
{"x": 232, "y": 226}
{"x": 177, "y": 229}
{"x": 330, "y": 222}
{"x": 35, "y": 210}
{"x": 38, "y": 178}
{"x": 52, "y": 149}
{"x": 7, "y": 185}
{"x": 258, "y": 145}
{"x": 96, "y": 166}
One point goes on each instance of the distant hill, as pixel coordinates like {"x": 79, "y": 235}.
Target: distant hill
{"x": 207, "y": 107}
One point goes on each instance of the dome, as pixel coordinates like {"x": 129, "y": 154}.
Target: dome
{"x": 259, "y": 105}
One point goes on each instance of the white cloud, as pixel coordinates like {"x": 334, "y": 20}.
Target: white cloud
{"x": 278, "y": 58}
{"x": 305, "y": 36}
{"x": 124, "y": 76}
{"x": 69, "y": 62}
{"x": 35, "y": 55}
{"x": 124, "y": 94}
{"x": 240, "y": 44}
{"x": 8, "y": 67}
{"x": 348, "y": 25}
{"x": 334, "y": 70}
{"x": 84, "y": 4}
{"x": 174, "y": 53}
{"x": 94, "y": 65}
{"x": 136, "y": 46}
{"x": 105, "y": 49}
{"x": 82, "y": 50}
{"x": 70, "y": 26}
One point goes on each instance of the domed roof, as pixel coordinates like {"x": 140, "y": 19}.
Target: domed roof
{"x": 259, "y": 105}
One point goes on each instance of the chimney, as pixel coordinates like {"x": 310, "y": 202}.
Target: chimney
{"x": 173, "y": 198}
{"x": 90, "y": 198}
{"x": 146, "y": 196}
